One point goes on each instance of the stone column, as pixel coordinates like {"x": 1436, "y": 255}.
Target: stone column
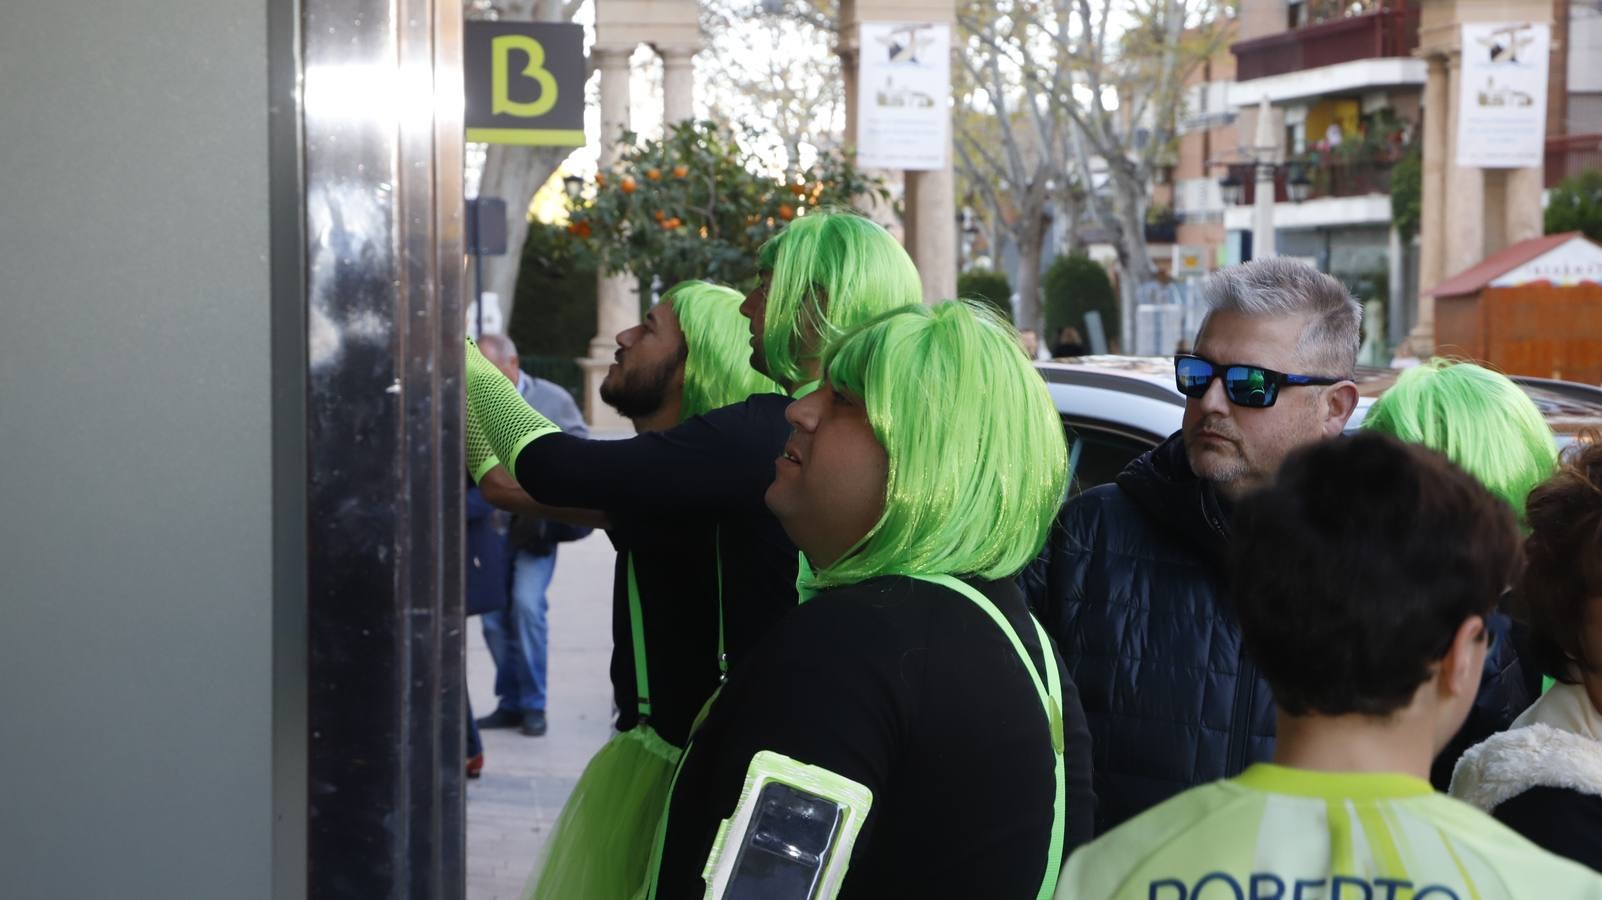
{"x": 1493, "y": 221}
{"x": 845, "y": 47}
{"x": 617, "y": 303}
{"x": 678, "y": 84}
{"x": 1524, "y": 219}
{"x": 1266, "y": 148}
{"x": 1432, "y": 218}
{"x": 932, "y": 230}
{"x": 1465, "y": 192}
{"x": 1395, "y": 303}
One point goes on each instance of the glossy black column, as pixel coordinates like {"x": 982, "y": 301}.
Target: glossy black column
{"x": 382, "y": 168}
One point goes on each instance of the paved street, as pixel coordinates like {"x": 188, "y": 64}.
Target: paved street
{"x": 511, "y": 809}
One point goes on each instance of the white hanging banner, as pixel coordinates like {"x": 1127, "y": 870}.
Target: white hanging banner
{"x": 1501, "y": 101}
{"x": 903, "y": 95}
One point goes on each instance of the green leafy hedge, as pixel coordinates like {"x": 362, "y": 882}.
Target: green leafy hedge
{"x": 1074, "y": 285}
{"x": 1576, "y": 205}
{"x": 987, "y": 285}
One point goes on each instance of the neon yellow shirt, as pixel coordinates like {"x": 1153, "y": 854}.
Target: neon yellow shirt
{"x": 1276, "y": 833}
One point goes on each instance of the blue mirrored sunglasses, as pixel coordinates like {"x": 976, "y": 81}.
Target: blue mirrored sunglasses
{"x": 1244, "y": 385}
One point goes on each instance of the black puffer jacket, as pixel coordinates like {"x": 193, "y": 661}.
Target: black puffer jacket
{"x": 1131, "y": 585}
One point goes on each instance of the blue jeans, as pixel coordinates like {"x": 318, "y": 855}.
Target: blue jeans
{"x": 517, "y": 637}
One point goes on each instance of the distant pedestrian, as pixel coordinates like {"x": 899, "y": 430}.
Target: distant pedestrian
{"x": 1069, "y": 342}
{"x": 519, "y": 637}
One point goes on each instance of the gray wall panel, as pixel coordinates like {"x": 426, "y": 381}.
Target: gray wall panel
{"x": 136, "y": 605}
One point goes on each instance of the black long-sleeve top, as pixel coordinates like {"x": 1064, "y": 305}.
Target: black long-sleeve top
{"x": 910, "y": 689}
{"x": 669, "y": 493}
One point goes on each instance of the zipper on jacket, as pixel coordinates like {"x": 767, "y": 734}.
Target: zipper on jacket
{"x": 1240, "y": 718}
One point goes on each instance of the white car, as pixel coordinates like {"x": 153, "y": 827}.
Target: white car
{"x": 1118, "y": 407}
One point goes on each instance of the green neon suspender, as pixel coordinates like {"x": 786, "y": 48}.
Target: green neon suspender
{"x": 642, "y": 681}
{"x": 1050, "y": 699}
{"x": 1050, "y": 694}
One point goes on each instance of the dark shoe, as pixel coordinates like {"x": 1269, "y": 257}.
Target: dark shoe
{"x": 534, "y": 722}
{"x": 502, "y": 718}
{"x": 475, "y": 766}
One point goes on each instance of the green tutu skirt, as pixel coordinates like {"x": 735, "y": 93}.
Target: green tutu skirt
{"x": 601, "y": 845}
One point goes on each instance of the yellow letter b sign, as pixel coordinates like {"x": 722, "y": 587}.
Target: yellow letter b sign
{"x": 525, "y": 83}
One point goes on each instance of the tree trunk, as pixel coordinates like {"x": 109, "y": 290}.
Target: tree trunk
{"x": 1129, "y": 201}
{"x": 1031, "y": 238}
{"x": 514, "y": 174}
{"x": 1069, "y": 242}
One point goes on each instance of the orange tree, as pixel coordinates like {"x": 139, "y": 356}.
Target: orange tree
{"x": 695, "y": 204}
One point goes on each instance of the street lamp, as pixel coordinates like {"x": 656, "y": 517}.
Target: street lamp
{"x": 1231, "y": 189}
{"x": 574, "y": 186}
{"x": 1261, "y": 157}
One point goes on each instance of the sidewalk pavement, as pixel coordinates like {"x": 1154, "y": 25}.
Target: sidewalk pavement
{"x": 511, "y": 809}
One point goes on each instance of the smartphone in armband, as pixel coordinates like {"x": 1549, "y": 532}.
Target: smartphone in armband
{"x": 791, "y": 834}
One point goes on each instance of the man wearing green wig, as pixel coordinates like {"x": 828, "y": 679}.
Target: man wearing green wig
{"x": 910, "y": 731}
{"x": 686, "y": 357}
{"x": 824, "y": 274}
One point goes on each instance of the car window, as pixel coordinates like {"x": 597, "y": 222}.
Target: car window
{"x": 1103, "y": 452}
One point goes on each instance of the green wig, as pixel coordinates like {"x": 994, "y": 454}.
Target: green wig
{"x": 717, "y": 368}
{"x": 832, "y": 271}
{"x": 1477, "y": 418}
{"x": 977, "y": 461}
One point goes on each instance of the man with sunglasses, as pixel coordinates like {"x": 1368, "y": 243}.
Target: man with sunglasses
{"x": 1132, "y": 581}
{"x": 1372, "y": 672}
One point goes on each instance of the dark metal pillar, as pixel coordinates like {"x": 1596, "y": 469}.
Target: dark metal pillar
{"x": 381, "y": 95}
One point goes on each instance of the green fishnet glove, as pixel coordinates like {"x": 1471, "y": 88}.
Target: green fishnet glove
{"x": 508, "y": 422}
{"x": 480, "y": 456}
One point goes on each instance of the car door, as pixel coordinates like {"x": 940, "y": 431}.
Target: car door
{"x": 1100, "y": 450}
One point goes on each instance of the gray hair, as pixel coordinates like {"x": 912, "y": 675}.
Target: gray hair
{"x": 497, "y": 348}
{"x": 1280, "y": 287}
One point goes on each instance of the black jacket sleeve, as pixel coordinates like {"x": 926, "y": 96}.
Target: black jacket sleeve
{"x": 1080, "y": 827}
{"x": 1504, "y": 693}
{"x": 1564, "y": 821}
{"x": 715, "y": 461}
{"x": 1054, "y": 584}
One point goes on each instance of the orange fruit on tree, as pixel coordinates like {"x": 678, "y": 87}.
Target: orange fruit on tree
{"x": 654, "y": 174}
{"x": 659, "y": 215}
{"x": 798, "y": 189}
{"x": 628, "y": 184}
{"x": 680, "y": 171}
{"x": 786, "y": 211}
{"x": 600, "y": 178}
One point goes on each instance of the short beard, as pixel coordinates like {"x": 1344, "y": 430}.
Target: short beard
{"x": 636, "y": 395}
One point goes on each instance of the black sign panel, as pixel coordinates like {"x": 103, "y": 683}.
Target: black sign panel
{"x": 486, "y": 226}
{"x": 525, "y": 83}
